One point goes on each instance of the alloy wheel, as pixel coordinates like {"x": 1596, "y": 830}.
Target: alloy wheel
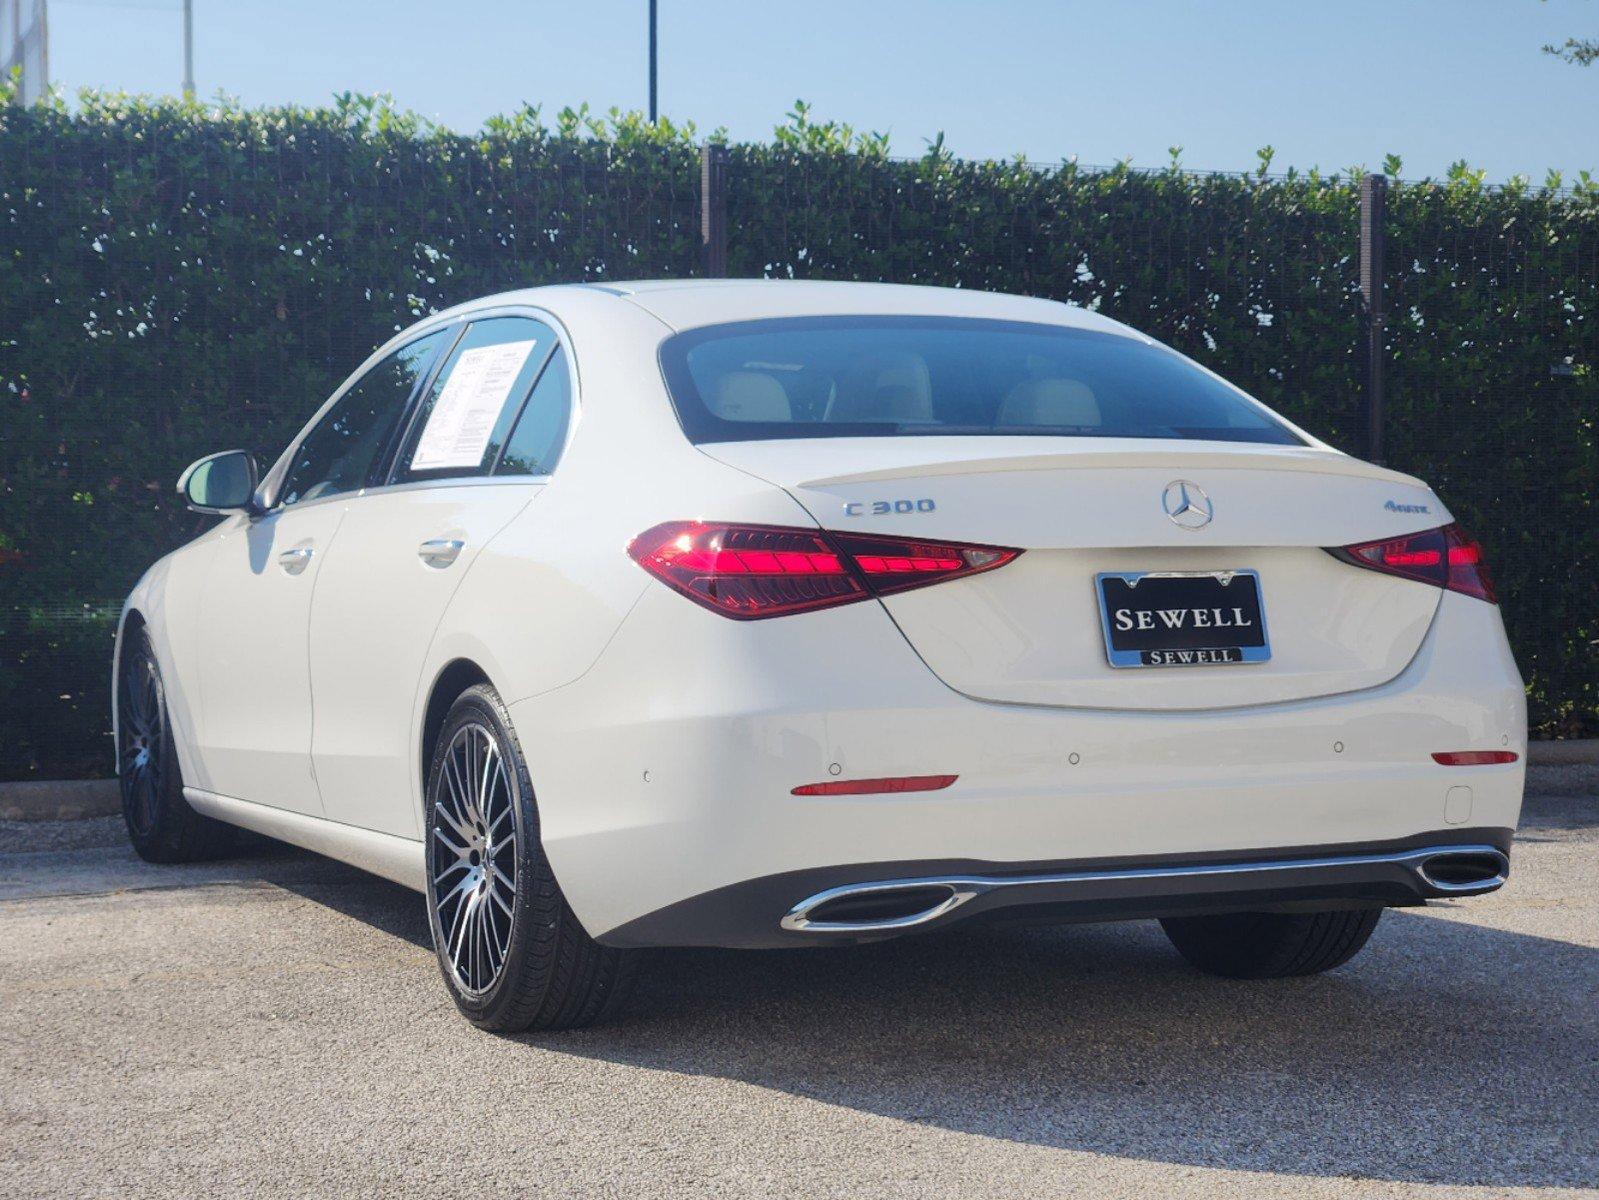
{"x": 142, "y": 733}
{"x": 473, "y": 885}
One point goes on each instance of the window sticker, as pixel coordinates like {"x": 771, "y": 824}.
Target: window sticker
{"x": 458, "y": 428}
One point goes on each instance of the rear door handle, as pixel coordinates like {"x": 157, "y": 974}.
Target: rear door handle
{"x": 297, "y": 560}
{"x": 440, "y": 552}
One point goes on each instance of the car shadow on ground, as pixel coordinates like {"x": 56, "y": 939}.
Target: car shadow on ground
{"x": 1446, "y": 1053}
{"x": 1430, "y": 1059}
{"x": 385, "y": 906}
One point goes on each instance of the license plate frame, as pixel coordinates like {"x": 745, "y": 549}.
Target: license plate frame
{"x": 1125, "y": 650}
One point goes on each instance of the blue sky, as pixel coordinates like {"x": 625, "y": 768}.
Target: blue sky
{"x": 1329, "y": 83}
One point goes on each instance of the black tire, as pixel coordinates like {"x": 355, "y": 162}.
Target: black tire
{"x": 541, "y": 970}
{"x": 1271, "y": 945}
{"x": 161, "y": 825}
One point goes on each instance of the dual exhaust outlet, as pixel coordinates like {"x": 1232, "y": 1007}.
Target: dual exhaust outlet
{"x": 891, "y": 906}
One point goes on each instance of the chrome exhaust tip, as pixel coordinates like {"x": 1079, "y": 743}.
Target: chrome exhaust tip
{"x": 1465, "y": 871}
{"x": 877, "y": 907}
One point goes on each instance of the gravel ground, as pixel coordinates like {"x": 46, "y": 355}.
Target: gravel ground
{"x": 274, "y": 1026}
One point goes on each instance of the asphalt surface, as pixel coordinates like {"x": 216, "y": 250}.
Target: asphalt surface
{"x": 274, "y": 1026}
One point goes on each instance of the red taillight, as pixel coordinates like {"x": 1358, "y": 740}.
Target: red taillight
{"x": 1468, "y": 573}
{"x": 747, "y": 571}
{"x": 896, "y": 565}
{"x": 877, "y": 787}
{"x": 1473, "y": 758}
{"x": 1444, "y": 557}
{"x": 753, "y": 571}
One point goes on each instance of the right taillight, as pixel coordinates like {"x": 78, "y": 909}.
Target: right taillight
{"x": 1445, "y": 558}
{"x": 749, "y": 572}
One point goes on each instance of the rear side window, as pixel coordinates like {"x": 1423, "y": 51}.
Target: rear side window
{"x": 339, "y": 453}
{"x": 910, "y": 376}
{"x": 470, "y": 408}
{"x": 540, "y": 433}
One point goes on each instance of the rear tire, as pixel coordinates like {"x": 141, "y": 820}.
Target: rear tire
{"x": 161, "y": 825}
{"x": 1271, "y": 945}
{"x": 512, "y": 953}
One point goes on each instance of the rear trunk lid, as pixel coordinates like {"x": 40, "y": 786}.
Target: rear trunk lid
{"x": 1033, "y": 631}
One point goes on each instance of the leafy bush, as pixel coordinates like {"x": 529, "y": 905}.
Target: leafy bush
{"x": 177, "y": 278}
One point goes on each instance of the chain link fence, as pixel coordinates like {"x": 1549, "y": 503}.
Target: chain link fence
{"x": 1492, "y": 361}
{"x": 171, "y": 284}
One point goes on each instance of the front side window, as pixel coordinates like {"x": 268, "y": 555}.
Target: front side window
{"x": 829, "y": 377}
{"x": 339, "y": 453}
{"x": 470, "y": 408}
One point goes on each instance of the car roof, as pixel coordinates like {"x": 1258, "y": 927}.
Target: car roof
{"x": 691, "y": 303}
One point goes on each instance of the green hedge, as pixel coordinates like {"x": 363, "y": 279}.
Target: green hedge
{"x": 175, "y": 279}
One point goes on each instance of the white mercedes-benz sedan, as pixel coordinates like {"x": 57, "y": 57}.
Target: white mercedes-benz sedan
{"x": 762, "y": 614}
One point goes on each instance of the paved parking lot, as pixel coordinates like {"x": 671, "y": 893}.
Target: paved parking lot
{"x": 273, "y": 1026}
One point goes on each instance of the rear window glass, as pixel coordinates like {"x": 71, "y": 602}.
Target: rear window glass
{"x": 907, "y": 376}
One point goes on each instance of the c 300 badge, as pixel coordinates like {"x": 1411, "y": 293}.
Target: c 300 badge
{"x": 883, "y": 508}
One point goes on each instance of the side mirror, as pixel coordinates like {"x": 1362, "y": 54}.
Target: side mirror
{"x": 220, "y": 483}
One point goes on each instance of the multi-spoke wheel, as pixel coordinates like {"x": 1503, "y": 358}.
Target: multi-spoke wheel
{"x": 161, "y": 825}
{"x": 141, "y": 733}
{"x": 512, "y": 953}
{"x": 474, "y": 859}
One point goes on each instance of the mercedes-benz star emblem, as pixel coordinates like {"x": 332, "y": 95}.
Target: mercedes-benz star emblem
{"x": 1187, "y": 505}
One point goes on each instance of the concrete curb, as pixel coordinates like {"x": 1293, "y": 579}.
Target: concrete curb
{"x": 1573, "y": 752}
{"x": 70, "y": 799}
{"x": 59, "y": 800}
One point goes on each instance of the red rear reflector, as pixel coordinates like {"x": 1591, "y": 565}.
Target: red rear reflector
{"x": 753, "y": 571}
{"x": 1473, "y": 758}
{"x": 870, "y": 787}
{"x": 1443, "y": 557}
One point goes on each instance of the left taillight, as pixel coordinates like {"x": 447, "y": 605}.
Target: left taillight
{"x": 749, "y": 572}
{"x": 1444, "y": 557}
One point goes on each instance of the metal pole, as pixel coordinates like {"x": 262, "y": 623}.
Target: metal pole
{"x": 652, "y": 61}
{"x": 188, "y": 49}
{"x": 713, "y": 209}
{"x": 1373, "y": 234}
{"x": 44, "y": 47}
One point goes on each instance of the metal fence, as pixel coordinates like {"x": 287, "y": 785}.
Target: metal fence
{"x": 1446, "y": 329}
{"x": 165, "y": 291}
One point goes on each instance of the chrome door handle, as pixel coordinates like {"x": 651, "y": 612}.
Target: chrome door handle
{"x": 439, "y": 552}
{"x": 297, "y": 560}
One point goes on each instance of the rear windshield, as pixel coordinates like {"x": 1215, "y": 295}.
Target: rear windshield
{"x": 904, "y": 376}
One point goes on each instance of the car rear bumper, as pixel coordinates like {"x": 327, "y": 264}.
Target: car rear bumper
{"x": 870, "y": 902}
{"x": 664, "y": 779}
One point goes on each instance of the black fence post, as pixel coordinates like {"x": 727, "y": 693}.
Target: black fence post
{"x": 713, "y": 209}
{"x": 1373, "y": 238}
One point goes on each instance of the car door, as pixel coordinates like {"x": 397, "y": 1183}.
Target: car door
{"x": 254, "y": 738}
{"x": 479, "y": 446}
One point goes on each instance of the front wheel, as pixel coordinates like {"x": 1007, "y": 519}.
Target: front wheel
{"x": 161, "y": 825}
{"x": 512, "y": 953}
{"x": 1268, "y": 945}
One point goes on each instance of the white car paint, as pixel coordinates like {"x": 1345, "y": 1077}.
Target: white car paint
{"x": 1016, "y": 634}
{"x": 664, "y": 740}
{"x": 1143, "y": 785}
{"x": 378, "y": 604}
{"x": 251, "y": 672}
